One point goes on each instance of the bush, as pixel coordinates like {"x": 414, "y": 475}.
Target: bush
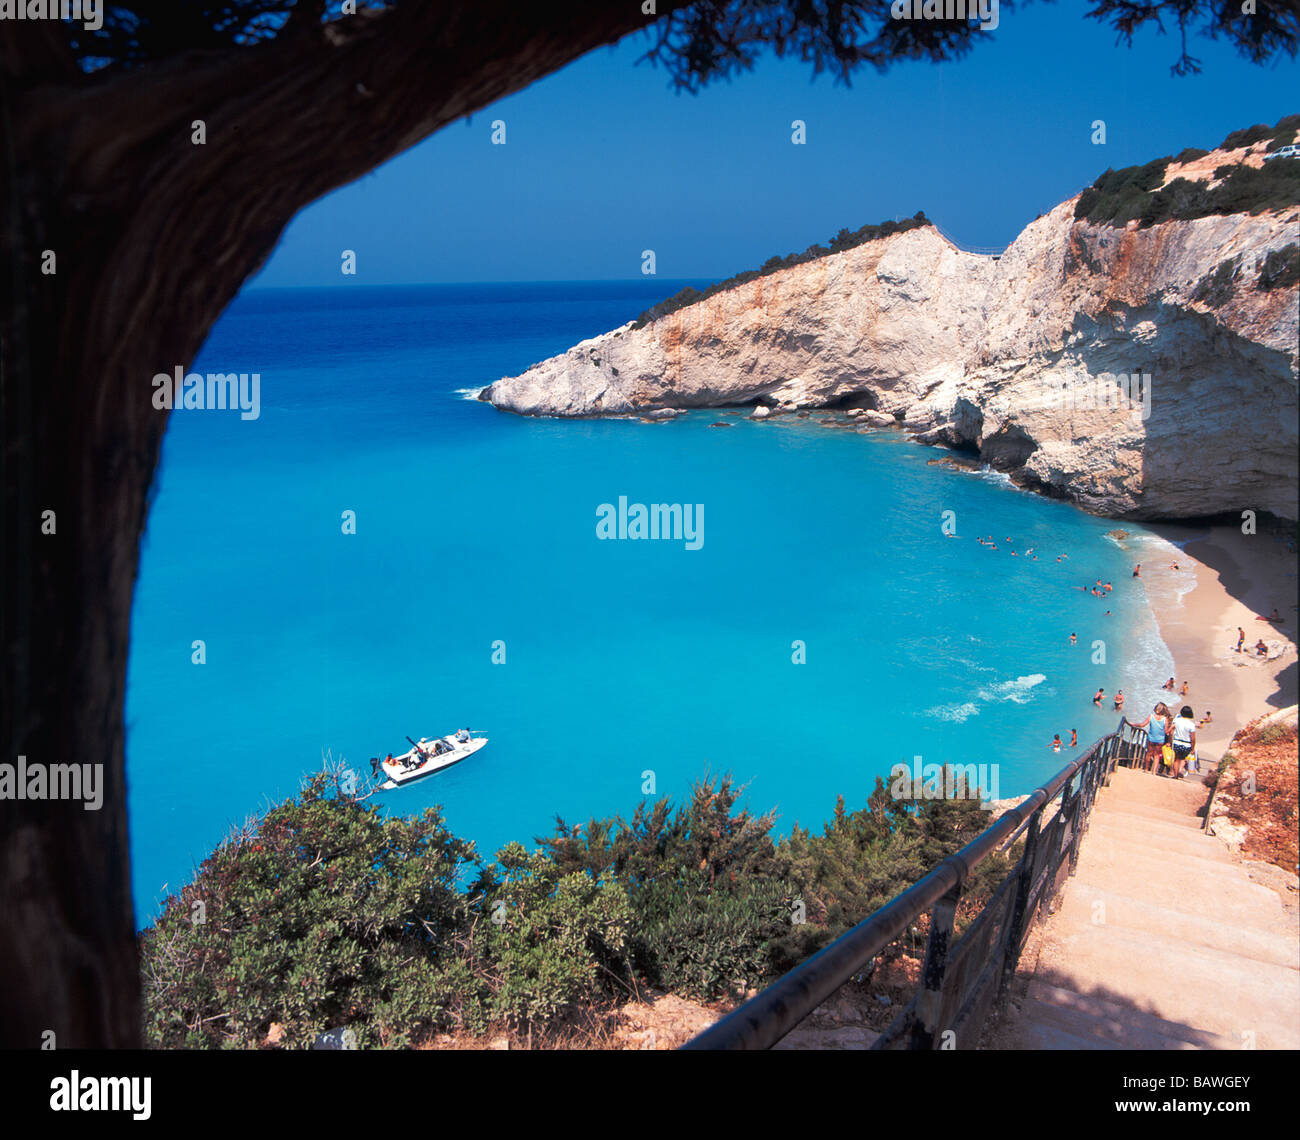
{"x": 706, "y": 943}
{"x": 1281, "y": 268}
{"x": 1190, "y": 154}
{"x": 323, "y": 914}
{"x": 1215, "y": 289}
{"x": 326, "y": 914}
{"x": 1247, "y": 136}
{"x": 550, "y": 940}
{"x": 1119, "y": 197}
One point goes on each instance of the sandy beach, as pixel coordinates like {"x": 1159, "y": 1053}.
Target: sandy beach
{"x": 1239, "y": 578}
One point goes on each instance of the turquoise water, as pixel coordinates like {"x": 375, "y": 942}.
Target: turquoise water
{"x": 621, "y": 657}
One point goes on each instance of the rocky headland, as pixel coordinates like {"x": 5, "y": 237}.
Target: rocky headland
{"x": 1009, "y": 358}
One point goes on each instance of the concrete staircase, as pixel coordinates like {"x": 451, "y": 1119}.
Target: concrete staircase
{"x": 1162, "y": 939}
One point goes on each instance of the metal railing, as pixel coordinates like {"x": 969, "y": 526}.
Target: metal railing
{"x": 993, "y": 251}
{"x": 959, "y": 982}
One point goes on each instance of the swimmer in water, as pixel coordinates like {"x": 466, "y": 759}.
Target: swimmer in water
{"x": 1074, "y": 737}
{"x": 1056, "y": 743}
{"x": 1074, "y": 639}
{"x": 1137, "y": 570}
{"x": 1097, "y": 699}
{"x": 1106, "y": 587}
{"x": 1119, "y": 700}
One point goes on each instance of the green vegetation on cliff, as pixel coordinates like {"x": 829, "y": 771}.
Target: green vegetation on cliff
{"x": 845, "y": 239}
{"x": 1135, "y": 193}
{"x": 325, "y": 913}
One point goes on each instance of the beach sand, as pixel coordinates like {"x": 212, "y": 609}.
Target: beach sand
{"x": 1238, "y": 578}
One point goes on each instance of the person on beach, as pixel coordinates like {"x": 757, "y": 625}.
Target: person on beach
{"x": 1074, "y": 639}
{"x": 1056, "y": 743}
{"x": 1157, "y": 725}
{"x": 1097, "y": 699}
{"x": 1119, "y": 700}
{"x": 1261, "y": 650}
{"x": 1074, "y": 738}
{"x": 1184, "y": 739}
{"x": 1207, "y": 719}
{"x": 1169, "y": 684}
{"x": 1183, "y": 691}
{"x": 1241, "y": 638}
{"x": 1137, "y": 570}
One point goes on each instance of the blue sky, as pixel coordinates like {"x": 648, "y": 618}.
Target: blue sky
{"x": 604, "y": 160}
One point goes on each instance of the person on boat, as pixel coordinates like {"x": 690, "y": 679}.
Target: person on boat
{"x": 374, "y": 766}
{"x": 463, "y": 735}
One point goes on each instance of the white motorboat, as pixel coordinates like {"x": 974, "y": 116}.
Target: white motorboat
{"x": 425, "y": 758}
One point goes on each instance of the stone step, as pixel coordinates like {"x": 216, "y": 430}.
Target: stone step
{"x": 1204, "y": 989}
{"x": 1130, "y": 846}
{"x": 1267, "y": 942}
{"x": 1128, "y": 809}
{"x": 1163, "y": 836}
{"x": 1159, "y": 791}
{"x": 1114, "y": 1024}
{"x": 1039, "y": 1031}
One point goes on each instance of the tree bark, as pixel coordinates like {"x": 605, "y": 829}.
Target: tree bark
{"x": 153, "y": 235}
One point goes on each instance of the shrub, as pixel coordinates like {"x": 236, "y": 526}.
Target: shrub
{"x": 551, "y": 939}
{"x": 1118, "y": 197}
{"x": 1215, "y": 288}
{"x": 323, "y": 914}
{"x": 1247, "y": 136}
{"x": 1281, "y": 268}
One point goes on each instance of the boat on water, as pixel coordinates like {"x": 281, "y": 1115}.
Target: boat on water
{"x": 425, "y": 758}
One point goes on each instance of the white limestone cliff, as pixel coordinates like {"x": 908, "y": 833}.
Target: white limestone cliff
{"x": 1000, "y": 356}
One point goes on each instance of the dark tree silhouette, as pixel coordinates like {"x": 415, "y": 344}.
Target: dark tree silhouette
{"x": 122, "y": 240}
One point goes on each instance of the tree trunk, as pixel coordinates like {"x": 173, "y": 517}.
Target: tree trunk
{"x": 152, "y": 236}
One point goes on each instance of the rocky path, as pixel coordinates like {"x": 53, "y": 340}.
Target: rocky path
{"x": 1162, "y": 939}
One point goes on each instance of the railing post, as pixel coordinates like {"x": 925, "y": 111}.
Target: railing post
{"x": 929, "y": 998}
{"x": 1024, "y": 884}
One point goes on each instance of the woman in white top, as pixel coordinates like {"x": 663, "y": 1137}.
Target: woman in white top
{"x": 1184, "y": 739}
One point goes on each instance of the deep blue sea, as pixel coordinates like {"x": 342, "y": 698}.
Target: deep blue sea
{"x": 621, "y": 657}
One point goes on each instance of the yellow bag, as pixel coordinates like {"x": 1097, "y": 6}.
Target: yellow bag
{"x": 1167, "y": 755}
